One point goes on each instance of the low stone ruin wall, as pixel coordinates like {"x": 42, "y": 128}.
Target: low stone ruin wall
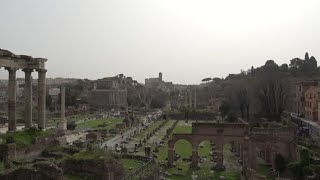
{"x": 192, "y": 115}
{"x": 12, "y": 152}
{"x": 35, "y": 172}
{"x": 96, "y": 169}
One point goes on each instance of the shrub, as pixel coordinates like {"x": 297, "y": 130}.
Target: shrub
{"x": 71, "y": 125}
{"x": 9, "y": 139}
{"x": 231, "y": 117}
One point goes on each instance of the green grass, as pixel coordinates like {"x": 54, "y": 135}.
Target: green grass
{"x": 24, "y": 138}
{"x": 150, "y": 128}
{"x": 2, "y": 168}
{"x": 130, "y": 165}
{"x": 227, "y": 174}
{"x": 183, "y": 148}
{"x": 205, "y": 150}
{"x": 179, "y": 129}
{"x": 264, "y": 170}
{"x": 93, "y": 124}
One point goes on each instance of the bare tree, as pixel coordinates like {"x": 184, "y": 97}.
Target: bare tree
{"x": 272, "y": 94}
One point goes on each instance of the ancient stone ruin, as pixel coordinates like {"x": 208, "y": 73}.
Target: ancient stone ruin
{"x": 12, "y": 63}
{"x": 247, "y": 144}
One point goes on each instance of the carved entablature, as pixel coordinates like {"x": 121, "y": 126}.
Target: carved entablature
{"x": 273, "y": 135}
{"x": 226, "y": 129}
{"x": 10, "y": 60}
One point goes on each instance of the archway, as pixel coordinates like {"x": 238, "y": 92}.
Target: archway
{"x": 232, "y": 154}
{"x": 183, "y": 149}
{"x": 205, "y": 157}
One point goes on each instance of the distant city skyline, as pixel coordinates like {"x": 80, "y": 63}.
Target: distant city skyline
{"x": 185, "y": 40}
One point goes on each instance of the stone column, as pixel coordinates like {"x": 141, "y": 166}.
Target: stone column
{"x": 238, "y": 147}
{"x": 268, "y": 155}
{"x": 195, "y": 100}
{"x": 63, "y": 124}
{"x": 186, "y": 99}
{"x": 41, "y": 98}
{"x": 194, "y": 162}
{"x": 28, "y": 98}
{"x": 273, "y": 156}
{"x": 190, "y": 99}
{"x": 241, "y": 152}
{"x": 247, "y": 153}
{"x": 219, "y": 150}
{"x": 170, "y": 156}
{"x": 252, "y": 155}
{"x": 12, "y": 99}
{"x": 147, "y": 151}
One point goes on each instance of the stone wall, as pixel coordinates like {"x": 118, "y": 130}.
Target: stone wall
{"x": 192, "y": 115}
{"x": 97, "y": 168}
{"x": 35, "y": 172}
{"x": 34, "y": 150}
{"x": 7, "y": 152}
{"x": 11, "y": 152}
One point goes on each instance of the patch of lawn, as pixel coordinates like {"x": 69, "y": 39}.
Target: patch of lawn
{"x": 205, "y": 150}
{"x": 130, "y": 165}
{"x": 227, "y": 174}
{"x": 182, "y": 129}
{"x": 23, "y": 138}
{"x": 2, "y": 168}
{"x": 183, "y": 148}
{"x": 149, "y": 129}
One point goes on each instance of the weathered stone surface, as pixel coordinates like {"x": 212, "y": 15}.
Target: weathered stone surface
{"x": 12, "y": 63}
{"x": 36, "y": 172}
{"x": 93, "y": 136}
{"x": 8, "y": 152}
{"x": 98, "y": 169}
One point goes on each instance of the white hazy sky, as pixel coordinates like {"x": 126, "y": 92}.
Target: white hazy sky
{"x": 187, "y": 40}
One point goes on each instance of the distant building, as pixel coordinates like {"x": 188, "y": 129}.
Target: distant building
{"x": 158, "y": 83}
{"x": 299, "y": 96}
{"x": 312, "y": 100}
{"x": 216, "y": 104}
{"x": 109, "y": 93}
{"x": 54, "y": 93}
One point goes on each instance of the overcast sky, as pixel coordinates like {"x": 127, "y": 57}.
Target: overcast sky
{"x": 186, "y": 40}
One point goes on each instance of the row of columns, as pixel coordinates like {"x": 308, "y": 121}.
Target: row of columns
{"x": 188, "y": 99}
{"x": 12, "y": 89}
{"x": 246, "y": 152}
{"x": 118, "y": 98}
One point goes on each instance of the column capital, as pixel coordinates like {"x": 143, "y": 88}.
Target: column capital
{"x": 41, "y": 70}
{"x": 27, "y": 70}
{"x": 11, "y": 69}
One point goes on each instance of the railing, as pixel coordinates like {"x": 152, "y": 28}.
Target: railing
{"x": 136, "y": 175}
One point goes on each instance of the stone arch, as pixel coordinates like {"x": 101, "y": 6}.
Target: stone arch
{"x": 183, "y": 144}
{"x": 173, "y": 141}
